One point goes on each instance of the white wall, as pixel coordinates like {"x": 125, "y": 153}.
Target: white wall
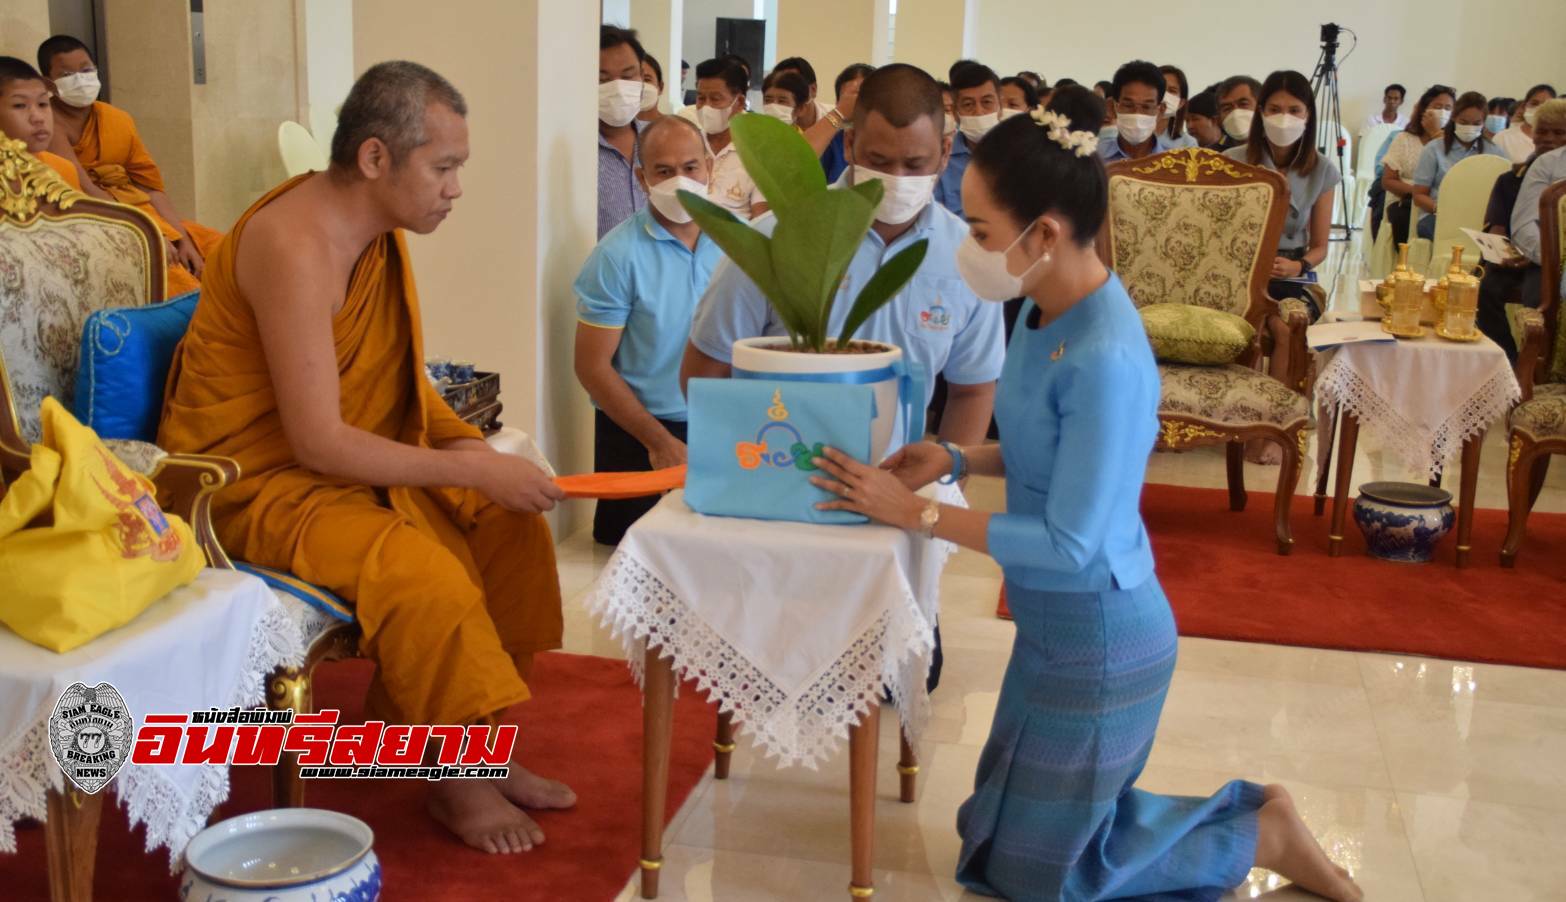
{"x": 328, "y": 40}
{"x": 1492, "y": 46}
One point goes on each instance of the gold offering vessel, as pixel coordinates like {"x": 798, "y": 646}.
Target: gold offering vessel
{"x": 1457, "y": 301}
{"x": 1408, "y": 294}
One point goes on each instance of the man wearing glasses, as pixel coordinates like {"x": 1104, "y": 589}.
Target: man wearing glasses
{"x": 1137, "y": 95}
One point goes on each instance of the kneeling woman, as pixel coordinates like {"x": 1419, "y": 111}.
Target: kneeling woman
{"x": 1054, "y": 815}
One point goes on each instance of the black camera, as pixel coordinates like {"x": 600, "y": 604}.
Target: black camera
{"x": 1329, "y": 33}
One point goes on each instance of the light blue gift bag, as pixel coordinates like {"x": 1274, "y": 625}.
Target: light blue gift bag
{"x": 751, "y": 441}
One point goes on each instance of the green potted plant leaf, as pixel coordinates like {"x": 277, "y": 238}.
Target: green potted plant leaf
{"x": 799, "y": 268}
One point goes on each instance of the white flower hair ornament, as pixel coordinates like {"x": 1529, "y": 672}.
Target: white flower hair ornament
{"x": 1058, "y": 126}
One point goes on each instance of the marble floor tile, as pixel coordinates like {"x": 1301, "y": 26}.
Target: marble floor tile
{"x": 1400, "y": 679}
{"x": 695, "y": 874}
{"x": 1469, "y": 850}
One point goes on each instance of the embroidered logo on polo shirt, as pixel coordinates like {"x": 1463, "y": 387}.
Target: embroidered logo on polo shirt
{"x": 935, "y": 319}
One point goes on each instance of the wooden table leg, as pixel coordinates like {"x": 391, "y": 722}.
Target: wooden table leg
{"x": 1470, "y": 482}
{"x": 71, "y": 843}
{"x": 863, "y": 739}
{"x": 1347, "y": 440}
{"x": 1327, "y": 429}
{"x": 907, "y": 769}
{"x": 723, "y": 747}
{"x": 657, "y": 725}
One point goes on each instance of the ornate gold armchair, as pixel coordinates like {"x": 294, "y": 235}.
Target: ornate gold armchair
{"x": 1193, "y": 227}
{"x": 1538, "y": 424}
{"x": 64, "y": 255}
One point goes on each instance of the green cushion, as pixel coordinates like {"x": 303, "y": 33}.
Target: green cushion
{"x": 1183, "y": 333}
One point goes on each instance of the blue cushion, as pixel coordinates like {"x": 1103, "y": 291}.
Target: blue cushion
{"x": 310, "y": 594}
{"x": 126, "y": 355}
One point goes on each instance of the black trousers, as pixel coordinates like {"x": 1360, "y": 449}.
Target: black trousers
{"x": 1397, "y": 218}
{"x": 1502, "y": 286}
{"x": 618, "y": 451}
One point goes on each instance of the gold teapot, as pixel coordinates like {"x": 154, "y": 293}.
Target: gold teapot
{"x": 1456, "y": 300}
{"x": 1406, "y": 300}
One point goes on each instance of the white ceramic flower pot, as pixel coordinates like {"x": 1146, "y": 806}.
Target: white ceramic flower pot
{"x": 286, "y": 855}
{"x": 771, "y": 355}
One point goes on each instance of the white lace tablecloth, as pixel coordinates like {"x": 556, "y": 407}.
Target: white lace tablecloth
{"x": 794, "y": 628}
{"x": 210, "y": 644}
{"x": 1419, "y": 398}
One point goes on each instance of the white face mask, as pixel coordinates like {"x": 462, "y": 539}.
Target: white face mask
{"x": 1136, "y": 127}
{"x": 1530, "y": 114}
{"x": 780, "y": 112}
{"x": 1283, "y": 129}
{"x": 1437, "y": 118}
{"x": 904, "y": 196}
{"x": 713, "y": 120}
{"x": 986, "y": 272}
{"x": 1466, "y": 133}
{"x": 649, "y": 96}
{"x": 1171, "y": 103}
{"x": 951, "y": 125}
{"x": 619, "y": 101}
{"x": 663, "y": 198}
{"x": 79, "y": 90}
{"x": 1007, "y": 114}
{"x": 1237, "y": 125}
{"x": 974, "y": 128}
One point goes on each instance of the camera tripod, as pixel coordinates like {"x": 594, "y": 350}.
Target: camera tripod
{"x": 1329, "y": 117}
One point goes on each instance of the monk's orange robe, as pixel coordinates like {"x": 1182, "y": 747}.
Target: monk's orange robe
{"x": 111, "y": 151}
{"x": 64, "y": 167}
{"x": 454, "y": 593}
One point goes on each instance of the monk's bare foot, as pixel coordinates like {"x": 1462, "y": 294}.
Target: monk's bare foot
{"x": 481, "y": 817}
{"x": 1285, "y": 845}
{"x": 529, "y": 790}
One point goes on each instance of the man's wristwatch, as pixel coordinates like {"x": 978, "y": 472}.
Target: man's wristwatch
{"x": 836, "y": 118}
{"x": 929, "y": 517}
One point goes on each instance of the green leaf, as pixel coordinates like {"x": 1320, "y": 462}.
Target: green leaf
{"x": 872, "y": 190}
{"x": 882, "y": 287}
{"x": 749, "y": 249}
{"x": 778, "y": 158}
{"x": 811, "y": 249}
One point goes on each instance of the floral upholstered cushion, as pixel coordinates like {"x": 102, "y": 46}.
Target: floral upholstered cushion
{"x": 52, "y": 275}
{"x": 1181, "y": 333}
{"x": 1232, "y": 395}
{"x": 1544, "y": 415}
{"x": 1187, "y": 244}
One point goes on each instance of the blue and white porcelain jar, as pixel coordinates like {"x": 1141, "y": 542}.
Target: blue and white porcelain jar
{"x": 1403, "y": 521}
{"x": 283, "y": 855}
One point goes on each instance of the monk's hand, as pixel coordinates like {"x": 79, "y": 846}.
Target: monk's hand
{"x": 170, "y": 253}
{"x": 919, "y": 464}
{"x": 514, "y": 482}
{"x": 186, "y": 255}
{"x": 867, "y": 490}
{"x": 670, "y": 453}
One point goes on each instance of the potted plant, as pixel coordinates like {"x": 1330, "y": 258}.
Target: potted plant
{"x": 799, "y": 269}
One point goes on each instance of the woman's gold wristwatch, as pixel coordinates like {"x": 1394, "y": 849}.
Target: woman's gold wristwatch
{"x": 836, "y": 119}
{"x": 929, "y": 517}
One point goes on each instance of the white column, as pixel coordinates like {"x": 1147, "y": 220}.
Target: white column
{"x": 495, "y": 279}
{"x": 659, "y": 25}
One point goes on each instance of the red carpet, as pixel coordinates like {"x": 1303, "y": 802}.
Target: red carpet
{"x": 1225, "y": 581}
{"x": 583, "y": 726}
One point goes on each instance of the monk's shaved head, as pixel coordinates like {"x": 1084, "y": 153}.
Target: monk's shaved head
{"x": 670, "y": 129}
{"x": 901, "y": 93}
{"x": 13, "y": 69}
{"x": 58, "y": 45}
{"x": 388, "y": 102}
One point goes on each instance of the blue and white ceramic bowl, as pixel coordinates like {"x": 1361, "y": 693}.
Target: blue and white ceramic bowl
{"x": 286, "y": 855}
{"x": 1403, "y": 521}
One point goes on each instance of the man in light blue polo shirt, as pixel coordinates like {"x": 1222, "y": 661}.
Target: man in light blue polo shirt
{"x": 635, "y": 298}
{"x": 976, "y": 101}
{"x": 1138, "y": 96}
{"x": 935, "y": 319}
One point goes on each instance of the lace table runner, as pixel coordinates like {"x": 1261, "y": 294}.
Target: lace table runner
{"x": 210, "y": 644}
{"x": 1420, "y": 399}
{"x": 795, "y": 629}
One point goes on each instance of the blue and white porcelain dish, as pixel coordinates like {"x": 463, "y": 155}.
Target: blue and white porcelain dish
{"x": 1403, "y": 521}
{"x": 286, "y": 855}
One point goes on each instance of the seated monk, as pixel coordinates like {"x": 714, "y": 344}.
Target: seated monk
{"x": 103, "y": 139}
{"x": 304, "y": 362}
{"x": 25, "y": 116}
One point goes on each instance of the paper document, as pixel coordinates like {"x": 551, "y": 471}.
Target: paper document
{"x": 1495, "y": 248}
{"x": 1330, "y": 335}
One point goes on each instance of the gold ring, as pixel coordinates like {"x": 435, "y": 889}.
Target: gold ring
{"x": 723, "y": 747}
{"x": 651, "y": 865}
{"x": 908, "y": 770}
{"x": 861, "y": 892}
